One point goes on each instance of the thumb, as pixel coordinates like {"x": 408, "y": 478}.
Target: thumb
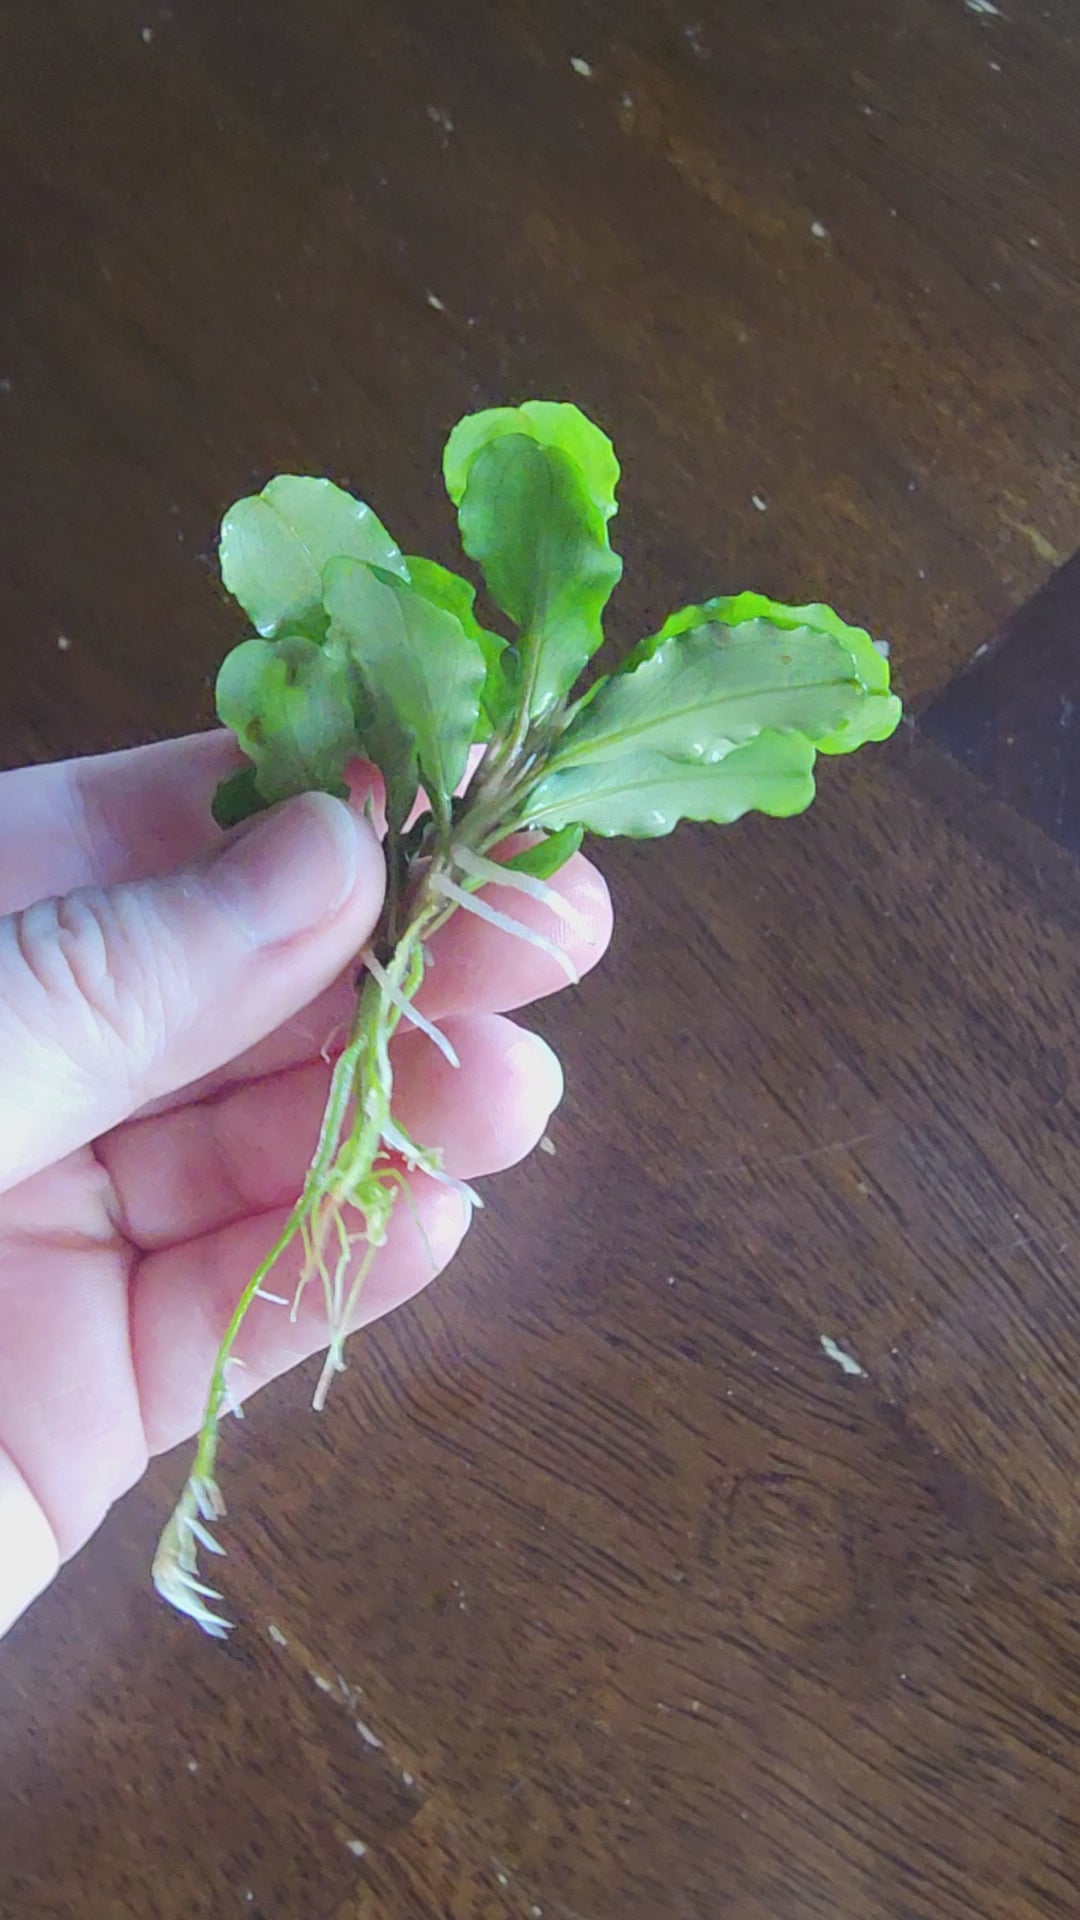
{"x": 110, "y": 998}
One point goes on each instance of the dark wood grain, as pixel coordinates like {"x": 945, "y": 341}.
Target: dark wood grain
{"x": 1011, "y": 716}
{"x": 651, "y": 1609}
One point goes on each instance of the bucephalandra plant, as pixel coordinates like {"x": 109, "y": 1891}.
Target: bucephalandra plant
{"x": 362, "y": 652}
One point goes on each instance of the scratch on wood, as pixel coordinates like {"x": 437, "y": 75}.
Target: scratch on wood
{"x": 809, "y": 1153}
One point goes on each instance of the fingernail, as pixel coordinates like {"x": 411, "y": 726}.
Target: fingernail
{"x": 288, "y": 870}
{"x": 543, "y": 1069}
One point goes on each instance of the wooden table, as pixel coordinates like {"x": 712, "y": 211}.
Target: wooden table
{"x": 602, "y": 1592}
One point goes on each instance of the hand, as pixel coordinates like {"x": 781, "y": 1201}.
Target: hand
{"x": 166, "y": 997}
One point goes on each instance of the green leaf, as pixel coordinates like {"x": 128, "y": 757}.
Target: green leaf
{"x": 547, "y": 856}
{"x": 711, "y": 722}
{"x": 422, "y": 671}
{"x": 275, "y": 545}
{"x": 288, "y": 703}
{"x": 646, "y": 794}
{"x": 237, "y": 798}
{"x": 529, "y": 520}
{"x": 458, "y": 596}
{"x": 701, "y": 693}
{"x": 876, "y": 717}
{"x": 551, "y": 423}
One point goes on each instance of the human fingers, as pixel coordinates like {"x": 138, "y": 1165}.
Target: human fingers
{"x": 114, "y": 817}
{"x": 474, "y": 968}
{"x": 180, "y": 1175}
{"x": 112, "y": 997}
{"x": 183, "y": 1297}
{"x": 108, "y": 818}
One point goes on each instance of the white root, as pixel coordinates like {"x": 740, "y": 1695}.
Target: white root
{"x": 405, "y": 1007}
{"x": 427, "y": 1162}
{"x": 504, "y": 921}
{"x": 207, "y": 1497}
{"x": 203, "y": 1535}
{"x": 174, "y": 1570}
{"x": 479, "y": 867}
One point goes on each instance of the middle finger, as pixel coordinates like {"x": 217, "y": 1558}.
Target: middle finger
{"x": 182, "y": 1174}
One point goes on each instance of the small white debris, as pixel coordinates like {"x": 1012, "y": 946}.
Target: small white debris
{"x": 275, "y": 1299}
{"x": 627, "y": 102}
{"x": 866, "y": 108}
{"x": 408, "y": 1779}
{"x": 695, "y": 40}
{"x": 193, "y": 1766}
{"x": 503, "y": 1878}
{"x": 276, "y": 1634}
{"x": 671, "y": 1279}
{"x": 537, "y": 1913}
{"x": 249, "y": 1894}
{"x": 369, "y": 1738}
{"x": 1032, "y": 242}
{"x": 147, "y": 36}
{"x": 994, "y": 65}
{"x": 580, "y": 66}
{"x": 921, "y": 571}
{"x": 845, "y": 1361}
{"x": 695, "y": 1706}
{"x": 324, "y": 1685}
{"x": 547, "y": 1144}
{"x": 441, "y": 119}
{"x": 357, "y": 1847}
{"x": 985, "y": 7}
{"x": 882, "y": 647}
{"x": 434, "y": 301}
{"x": 761, "y": 505}
{"x": 63, "y": 643}
{"x": 819, "y": 232}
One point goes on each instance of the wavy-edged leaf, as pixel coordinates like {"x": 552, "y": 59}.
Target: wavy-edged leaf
{"x": 288, "y": 702}
{"x": 275, "y": 545}
{"x": 529, "y": 521}
{"x": 703, "y": 692}
{"x": 551, "y": 423}
{"x": 458, "y": 596}
{"x": 645, "y": 794}
{"x": 423, "y": 675}
{"x": 878, "y": 715}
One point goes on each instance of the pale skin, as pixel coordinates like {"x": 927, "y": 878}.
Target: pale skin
{"x": 164, "y": 1015}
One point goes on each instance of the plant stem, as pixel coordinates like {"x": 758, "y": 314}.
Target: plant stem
{"x": 350, "y": 1167}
